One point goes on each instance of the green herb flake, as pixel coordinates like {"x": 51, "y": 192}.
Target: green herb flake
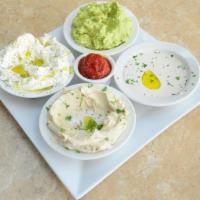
{"x": 186, "y": 82}
{"x": 104, "y": 89}
{"x": 118, "y": 110}
{"x": 99, "y": 126}
{"x": 178, "y": 78}
{"x": 47, "y": 108}
{"x": 66, "y": 105}
{"x": 106, "y": 139}
{"x": 144, "y": 65}
{"x": 62, "y": 130}
{"x": 77, "y": 151}
{"x": 68, "y": 117}
{"x": 171, "y": 55}
{"x": 135, "y": 56}
{"x": 168, "y": 83}
{"x": 130, "y": 81}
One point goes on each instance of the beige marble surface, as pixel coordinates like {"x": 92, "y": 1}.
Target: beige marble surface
{"x": 168, "y": 168}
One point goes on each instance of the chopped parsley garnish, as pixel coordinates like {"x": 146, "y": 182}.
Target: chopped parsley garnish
{"x": 194, "y": 75}
{"x": 172, "y": 55}
{"x": 186, "y": 82}
{"x": 135, "y": 56}
{"x": 168, "y": 83}
{"x": 66, "y": 105}
{"x": 68, "y": 117}
{"x": 77, "y": 151}
{"x": 67, "y": 148}
{"x": 137, "y": 63}
{"x": 47, "y": 108}
{"x": 177, "y": 77}
{"x": 130, "y": 81}
{"x": 118, "y": 110}
{"x": 107, "y": 139}
{"x": 99, "y": 126}
{"x": 62, "y": 130}
{"x": 144, "y": 65}
{"x": 104, "y": 89}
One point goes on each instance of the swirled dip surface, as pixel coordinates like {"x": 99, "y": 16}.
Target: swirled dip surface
{"x": 88, "y": 119}
{"x": 32, "y": 64}
{"x": 101, "y": 26}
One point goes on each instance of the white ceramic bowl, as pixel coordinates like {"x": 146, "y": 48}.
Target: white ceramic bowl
{"x": 55, "y": 89}
{"x": 105, "y": 80}
{"x": 67, "y": 33}
{"x": 181, "y": 52}
{"x": 49, "y": 137}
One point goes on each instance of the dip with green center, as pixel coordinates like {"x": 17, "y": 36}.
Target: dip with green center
{"x": 101, "y": 26}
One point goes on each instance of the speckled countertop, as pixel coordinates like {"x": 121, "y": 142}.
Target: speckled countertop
{"x": 168, "y": 168}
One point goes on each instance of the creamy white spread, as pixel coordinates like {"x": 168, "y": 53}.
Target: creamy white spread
{"x": 32, "y": 64}
{"x": 87, "y": 119}
{"x": 157, "y": 73}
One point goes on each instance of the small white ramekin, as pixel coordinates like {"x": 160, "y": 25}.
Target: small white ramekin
{"x": 105, "y": 80}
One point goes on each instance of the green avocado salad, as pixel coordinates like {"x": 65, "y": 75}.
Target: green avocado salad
{"x": 101, "y": 26}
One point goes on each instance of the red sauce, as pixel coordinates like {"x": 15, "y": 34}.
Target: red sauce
{"x": 94, "y": 66}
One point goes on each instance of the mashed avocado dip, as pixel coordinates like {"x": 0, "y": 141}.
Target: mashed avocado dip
{"x": 101, "y": 26}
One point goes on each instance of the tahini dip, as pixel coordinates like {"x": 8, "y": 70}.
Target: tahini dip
{"x": 157, "y": 73}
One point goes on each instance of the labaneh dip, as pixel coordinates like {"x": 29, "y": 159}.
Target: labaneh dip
{"x": 157, "y": 73}
{"x": 88, "y": 118}
{"x": 32, "y": 64}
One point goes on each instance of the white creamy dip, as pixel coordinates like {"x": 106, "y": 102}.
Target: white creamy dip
{"x": 88, "y": 118}
{"x": 157, "y": 73}
{"x": 32, "y": 64}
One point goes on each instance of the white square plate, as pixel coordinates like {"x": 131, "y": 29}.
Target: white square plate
{"x": 79, "y": 177}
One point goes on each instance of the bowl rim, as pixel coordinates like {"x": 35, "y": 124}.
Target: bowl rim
{"x": 117, "y": 50}
{"x": 172, "y": 47}
{"x": 102, "y": 80}
{"x": 46, "y": 132}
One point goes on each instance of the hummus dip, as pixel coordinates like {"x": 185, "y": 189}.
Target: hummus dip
{"x": 87, "y": 119}
{"x": 32, "y": 64}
